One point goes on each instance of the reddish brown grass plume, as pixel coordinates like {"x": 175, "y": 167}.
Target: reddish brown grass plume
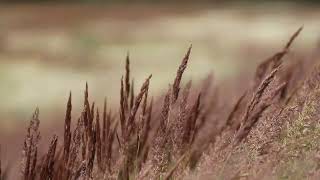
{"x": 170, "y": 137}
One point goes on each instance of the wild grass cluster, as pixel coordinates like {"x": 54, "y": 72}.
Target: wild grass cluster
{"x": 189, "y": 132}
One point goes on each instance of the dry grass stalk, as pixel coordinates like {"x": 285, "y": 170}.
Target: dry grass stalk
{"x": 75, "y": 149}
{"x": 143, "y": 134}
{"x": 146, "y": 127}
{"x": 34, "y": 165}
{"x": 105, "y": 131}
{"x": 127, "y": 78}
{"x": 84, "y": 137}
{"x": 141, "y": 125}
{"x": 178, "y": 126}
{"x": 159, "y": 157}
{"x": 271, "y": 63}
{"x": 190, "y": 126}
{"x": 176, "y": 84}
{"x": 182, "y": 114}
{"x": 132, "y": 94}
{"x": 91, "y": 155}
{"x": 165, "y": 113}
{"x": 108, "y": 155}
{"x": 85, "y": 104}
{"x": 131, "y": 118}
{"x": 31, "y": 141}
{"x": 160, "y": 154}
{"x": 98, "y": 139}
{"x": 292, "y": 38}
{"x": 264, "y": 67}
{"x": 92, "y": 113}
{"x": 67, "y": 132}
{"x": 86, "y": 95}
{"x": 47, "y": 168}
{"x": 253, "y": 112}
{"x": 106, "y": 125}
{"x": 129, "y": 129}
{"x": 122, "y": 111}
{"x": 107, "y": 139}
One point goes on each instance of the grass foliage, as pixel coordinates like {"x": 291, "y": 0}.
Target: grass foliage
{"x": 185, "y": 134}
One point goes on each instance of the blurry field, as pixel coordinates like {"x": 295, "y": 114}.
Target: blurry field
{"x": 47, "y": 51}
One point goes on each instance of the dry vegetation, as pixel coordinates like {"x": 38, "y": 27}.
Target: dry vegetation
{"x": 270, "y": 132}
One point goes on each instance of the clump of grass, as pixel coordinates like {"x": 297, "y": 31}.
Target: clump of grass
{"x": 300, "y": 141}
{"x": 268, "y": 91}
{"x": 165, "y": 138}
{"x": 89, "y": 149}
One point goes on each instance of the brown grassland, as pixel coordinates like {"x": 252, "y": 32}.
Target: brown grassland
{"x": 191, "y": 132}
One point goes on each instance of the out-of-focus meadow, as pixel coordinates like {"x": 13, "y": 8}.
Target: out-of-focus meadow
{"x": 48, "y": 50}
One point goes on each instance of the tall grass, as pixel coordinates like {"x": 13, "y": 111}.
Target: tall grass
{"x": 169, "y": 138}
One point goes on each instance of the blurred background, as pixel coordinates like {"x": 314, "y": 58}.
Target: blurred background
{"x": 51, "y": 47}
